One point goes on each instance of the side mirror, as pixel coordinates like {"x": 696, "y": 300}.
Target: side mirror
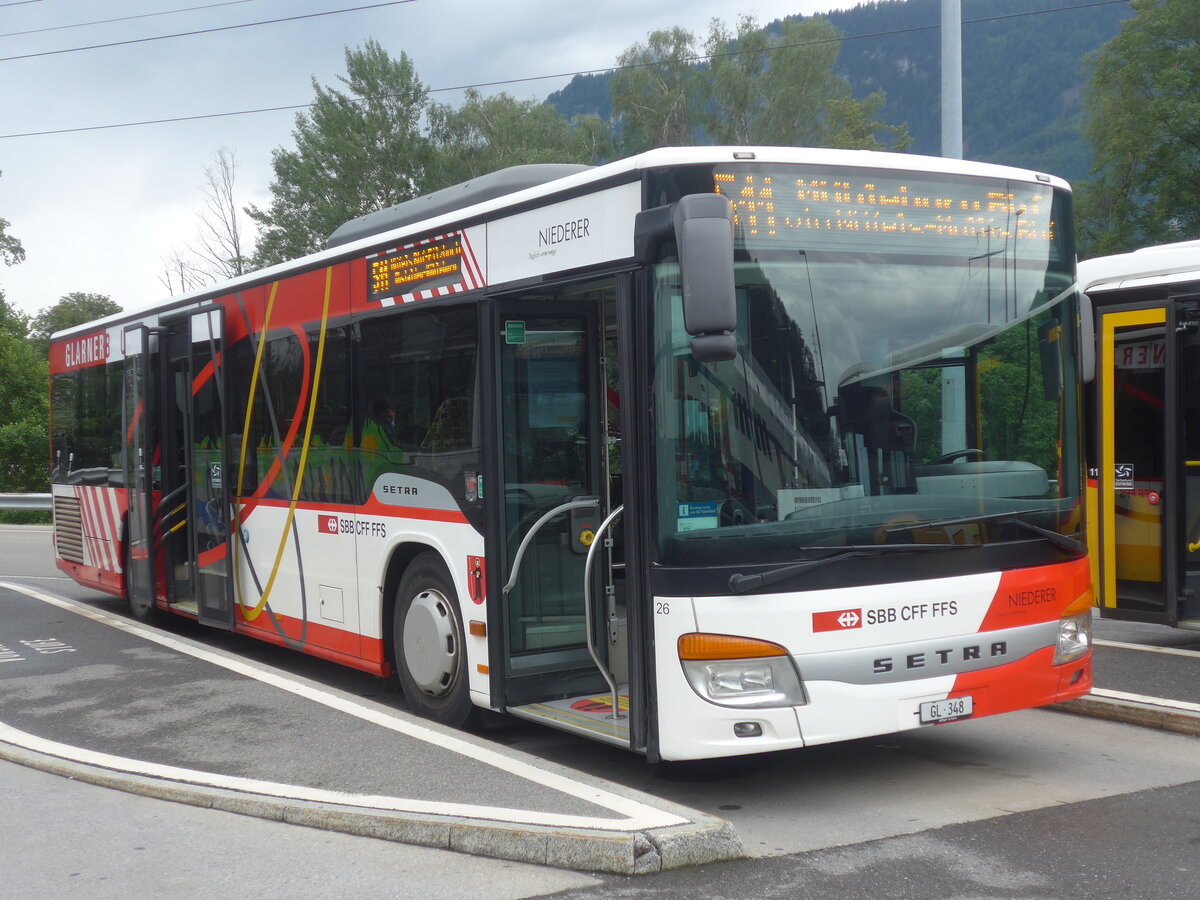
{"x": 704, "y": 233}
{"x": 1087, "y": 338}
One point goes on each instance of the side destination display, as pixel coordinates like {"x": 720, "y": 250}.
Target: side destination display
{"x": 424, "y": 266}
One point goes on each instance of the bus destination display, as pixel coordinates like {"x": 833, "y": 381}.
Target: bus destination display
{"x": 826, "y": 210}
{"x": 424, "y": 266}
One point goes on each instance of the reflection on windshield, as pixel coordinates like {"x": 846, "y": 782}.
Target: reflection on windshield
{"x": 870, "y": 391}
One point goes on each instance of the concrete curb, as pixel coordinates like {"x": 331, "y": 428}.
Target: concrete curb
{"x": 706, "y": 839}
{"x": 1135, "y": 712}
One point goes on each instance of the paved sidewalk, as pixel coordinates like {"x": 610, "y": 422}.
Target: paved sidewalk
{"x": 100, "y": 698}
{"x": 97, "y": 697}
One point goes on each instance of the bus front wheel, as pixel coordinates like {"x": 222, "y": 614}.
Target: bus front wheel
{"x": 427, "y": 639}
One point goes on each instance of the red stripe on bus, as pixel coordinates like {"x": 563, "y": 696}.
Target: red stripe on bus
{"x": 212, "y": 555}
{"x": 91, "y": 576}
{"x": 204, "y": 375}
{"x": 1037, "y": 594}
{"x": 133, "y": 423}
{"x": 87, "y": 515}
{"x": 109, "y": 502}
{"x": 1025, "y": 683}
{"x": 334, "y": 644}
{"x": 297, "y": 418}
{"x": 372, "y": 508}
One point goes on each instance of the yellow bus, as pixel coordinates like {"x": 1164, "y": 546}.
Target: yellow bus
{"x": 1144, "y": 439}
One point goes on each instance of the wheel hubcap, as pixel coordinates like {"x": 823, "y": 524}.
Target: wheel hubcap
{"x": 431, "y": 644}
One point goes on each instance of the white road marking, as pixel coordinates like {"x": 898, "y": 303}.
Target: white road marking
{"x": 638, "y": 816}
{"x": 1172, "y": 651}
{"x": 376, "y": 802}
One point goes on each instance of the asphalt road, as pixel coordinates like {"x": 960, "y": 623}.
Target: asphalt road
{"x": 1035, "y": 804}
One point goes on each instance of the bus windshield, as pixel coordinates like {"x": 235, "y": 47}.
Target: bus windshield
{"x": 904, "y": 374}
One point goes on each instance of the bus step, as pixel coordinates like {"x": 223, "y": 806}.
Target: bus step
{"x": 188, "y": 606}
{"x": 589, "y": 715}
{"x": 1189, "y": 624}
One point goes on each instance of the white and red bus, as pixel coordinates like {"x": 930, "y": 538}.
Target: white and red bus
{"x": 708, "y": 451}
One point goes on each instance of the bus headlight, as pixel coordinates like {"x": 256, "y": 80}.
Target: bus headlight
{"x": 741, "y": 672}
{"x": 1074, "y": 638}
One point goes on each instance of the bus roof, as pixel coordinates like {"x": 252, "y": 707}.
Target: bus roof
{"x": 1164, "y": 264}
{"x": 500, "y": 183}
{"x": 355, "y": 237}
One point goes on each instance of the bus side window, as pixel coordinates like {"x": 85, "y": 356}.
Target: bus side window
{"x": 424, "y": 363}
{"x": 450, "y": 429}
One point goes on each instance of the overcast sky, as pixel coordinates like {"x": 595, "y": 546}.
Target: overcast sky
{"x": 99, "y": 210}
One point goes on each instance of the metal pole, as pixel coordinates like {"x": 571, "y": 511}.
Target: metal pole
{"x": 952, "y": 139}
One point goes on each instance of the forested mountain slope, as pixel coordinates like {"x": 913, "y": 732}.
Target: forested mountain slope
{"x": 1022, "y": 74}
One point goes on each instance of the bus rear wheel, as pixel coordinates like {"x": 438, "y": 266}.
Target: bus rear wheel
{"x": 427, "y": 639}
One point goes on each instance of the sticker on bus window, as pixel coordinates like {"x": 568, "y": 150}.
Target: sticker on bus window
{"x": 1123, "y": 476}
{"x": 698, "y": 516}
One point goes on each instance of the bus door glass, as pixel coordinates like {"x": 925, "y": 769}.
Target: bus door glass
{"x": 208, "y": 453}
{"x": 557, "y": 471}
{"x": 138, "y": 464}
{"x": 1132, "y": 477}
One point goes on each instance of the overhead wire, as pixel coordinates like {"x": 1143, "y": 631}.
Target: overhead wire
{"x": 149, "y": 15}
{"x": 215, "y": 30}
{"x": 532, "y": 78}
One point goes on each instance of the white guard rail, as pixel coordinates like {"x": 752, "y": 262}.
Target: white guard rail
{"x": 36, "y": 502}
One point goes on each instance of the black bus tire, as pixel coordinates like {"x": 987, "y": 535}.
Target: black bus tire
{"x": 427, "y": 641}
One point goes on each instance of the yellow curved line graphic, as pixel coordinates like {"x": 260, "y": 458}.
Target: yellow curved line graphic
{"x": 1137, "y": 515}
{"x": 250, "y": 614}
{"x": 262, "y": 343}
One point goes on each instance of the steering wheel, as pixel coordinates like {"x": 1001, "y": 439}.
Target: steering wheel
{"x": 965, "y": 452}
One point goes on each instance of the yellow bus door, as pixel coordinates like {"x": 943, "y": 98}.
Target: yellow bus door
{"x": 1147, "y": 478}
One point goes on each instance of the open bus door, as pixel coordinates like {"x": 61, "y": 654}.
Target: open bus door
{"x": 138, "y": 466}
{"x": 564, "y": 613}
{"x": 211, "y": 495}
{"x": 196, "y": 508}
{"x": 1148, "y": 476}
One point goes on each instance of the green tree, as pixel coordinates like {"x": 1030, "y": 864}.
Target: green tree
{"x": 1144, "y": 126}
{"x": 737, "y": 64}
{"x": 24, "y": 411}
{"x": 12, "y": 321}
{"x": 1018, "y": 422}
{"x": 782, "y": 89}
{"x": 490, "y": 133}
{"x": 855, "y": 125}
{"x": 355, "y": 153}
{"x": 73, "y": 309}
{"x": 11, "y": 251}
{"x": 659, "y": 94}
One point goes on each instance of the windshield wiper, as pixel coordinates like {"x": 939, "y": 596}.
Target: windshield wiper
{"x": 1070, "y": 543}
{"x": 745, "y": 584}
